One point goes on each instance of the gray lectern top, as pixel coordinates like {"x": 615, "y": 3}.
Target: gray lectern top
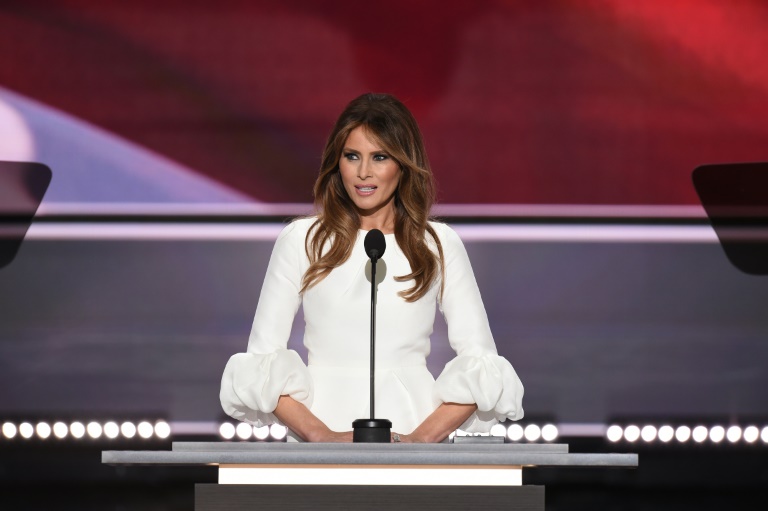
{"x": 266, "y": 453}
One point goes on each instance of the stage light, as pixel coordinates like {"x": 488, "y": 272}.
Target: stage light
{"x": 648, "y": 433}
{"x": 94, "y": 429}
{"x": 699, "y": 434}
{"x": 716, "y": 434}
{"x": 26, "y": 430}
{"x": 111, "y": 430}
{"x": 764, "y": 434}
{"x": 733, "y": 434}
{"x": 145, "y": 429}
{"x": 162, "y": 429}
{"x": 244, "y": 431}
{"x": 631, "y": 433}
{"x": 227, "y": 431}
{"x": 77, "y": 429}
{"x": 515, "y": 432}
{"x": 261, "y": 433}
{"x": 498, "y": 430}
{"x": 683, "y": 434}
{"x": 549, "y": 432}
{"x": 60, "y": 430}
{"x": 277, "y": 431}
{"x": 128, "y": 429}
{"x": 43, "y": 430}
{"x": 614, "y": 433}
{"x": 532, "y": 432}
{"x": 9, "y": 430}
{"x": 751, "y": 434}
{"x": 666, "y": 433}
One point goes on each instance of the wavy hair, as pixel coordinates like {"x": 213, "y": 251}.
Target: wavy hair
{"x": 392, "y": 125}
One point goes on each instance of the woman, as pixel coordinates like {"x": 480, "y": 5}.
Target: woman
{"x": 374, "y": 175}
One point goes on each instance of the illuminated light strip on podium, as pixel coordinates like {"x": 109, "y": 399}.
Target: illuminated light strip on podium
{"x": 366, "y": 475}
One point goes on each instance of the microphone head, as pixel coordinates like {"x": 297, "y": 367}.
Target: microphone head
{"x": 375, "y": 244}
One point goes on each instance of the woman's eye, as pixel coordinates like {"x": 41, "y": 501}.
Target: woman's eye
{"x": 350, "y": 156}
{"x": 380, "y": 157}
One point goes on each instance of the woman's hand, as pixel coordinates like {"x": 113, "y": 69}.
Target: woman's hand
{"x": 305, "y": 424}
{"x": 439, "y": 425}
{"x": 333, "y": 436}
{"x": 407, "y": 439}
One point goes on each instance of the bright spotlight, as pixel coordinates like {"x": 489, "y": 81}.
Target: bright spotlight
{"x": 26, "y": 430}
{"x": 532, "y": 432}
{"x": 94, "y": 429}
{"x": 666, "y": 433}
{"x": 614, "y": 433}
{"x": 227, "y": 431}
{"x": 717, "y": 433}
{"x": 9, "y": 430}
{"x": 683, "y": 434}
{"x": 278, "y": 431}
{"x": 60, "y": 430}
{"x": 162, "y": 429}
{"x": 111, "y": 430}
{"x": 648, "y": 433}
{"x": 631, "y": 433}
{"x": 145, "y": 429}
{"x": 261, "y": 433}
{"x": 498, "y": 430}
{"x": 77, "y": 429}
{"x": 549, "y": 432}
{"x": 733, "y": 434}
{"x": 751, "y": 434}
{"x": 128, "y": 429}
{"x": 699, "y": 434}
{"x": 43, "y": 430}
{"x": 764, "y": 434}
{"x": 244, "y": 431}
{"x": 515, "y": 432}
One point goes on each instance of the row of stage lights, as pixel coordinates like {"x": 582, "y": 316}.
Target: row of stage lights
{"x": 91, "y": 430}
{"x": 276, "y": 432}
{"x": 111, "y": 430}
{"x": 683, "y": 434}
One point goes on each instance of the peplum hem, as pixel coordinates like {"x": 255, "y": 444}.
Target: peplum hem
{"x": 489, "y": 381}
{"x": 252, "y": 384}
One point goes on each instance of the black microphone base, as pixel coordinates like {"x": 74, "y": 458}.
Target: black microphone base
{"x": 372, "y": 431}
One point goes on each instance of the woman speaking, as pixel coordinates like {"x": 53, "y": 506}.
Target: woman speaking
{"x": 374, "y": 175}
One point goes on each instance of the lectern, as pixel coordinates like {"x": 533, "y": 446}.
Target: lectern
{"x": 297, "y": 476}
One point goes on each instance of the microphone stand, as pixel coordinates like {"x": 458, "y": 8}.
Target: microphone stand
{"x": 372, "y": 430}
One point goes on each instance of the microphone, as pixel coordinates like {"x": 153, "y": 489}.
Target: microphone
{"x": 373, "y": 430}
{"x": 375, "y": 245}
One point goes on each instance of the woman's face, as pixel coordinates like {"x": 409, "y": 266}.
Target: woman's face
{"x": 369, "y": 174}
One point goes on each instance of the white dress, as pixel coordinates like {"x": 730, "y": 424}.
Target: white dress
{"x": 335, "y": 383}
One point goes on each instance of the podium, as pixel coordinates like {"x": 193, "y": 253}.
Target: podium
{"x": 298, "y": 476}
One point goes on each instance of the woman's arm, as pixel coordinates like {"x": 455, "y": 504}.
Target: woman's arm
{"x": 304, "y": 423}
{"x": 441, "y": 423}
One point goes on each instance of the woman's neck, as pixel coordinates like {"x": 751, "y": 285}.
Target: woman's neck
{"x": 383, "y": 220}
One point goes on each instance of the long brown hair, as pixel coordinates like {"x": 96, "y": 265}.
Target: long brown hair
{"x": 393, "y": 126}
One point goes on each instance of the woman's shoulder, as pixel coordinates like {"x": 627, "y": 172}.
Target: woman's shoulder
{"x": 445, "y": 232}
{"x": 299, "y": 226}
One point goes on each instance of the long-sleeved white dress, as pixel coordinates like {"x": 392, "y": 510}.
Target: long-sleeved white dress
{"x": 335, "y": 383}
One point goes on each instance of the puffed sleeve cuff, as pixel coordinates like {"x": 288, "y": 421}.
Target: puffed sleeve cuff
{"x": 489, "y": 381}
{"x": 252, "y": 384}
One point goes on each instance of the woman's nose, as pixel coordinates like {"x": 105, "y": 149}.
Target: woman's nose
{"x": 364, "y": 169}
